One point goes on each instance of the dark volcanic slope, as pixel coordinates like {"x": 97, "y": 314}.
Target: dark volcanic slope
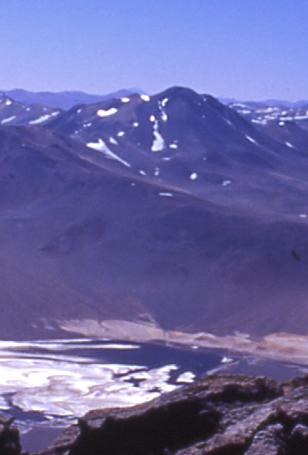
{"x": 192, "y": 219}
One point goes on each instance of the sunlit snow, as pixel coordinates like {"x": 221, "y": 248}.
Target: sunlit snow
{"x": 41, "y": 119}
{"x": 69, "y": 388}
{"x": 106, "y": 113}
{"x": 158, "y": 144}
{"x": 187, "y": 378}
{"x": 193, "y": 176}
{"x": 7, "y": 120}
{"x": 100, "y": 146}
{"x": 145, "y": 97}
{"x": 251, "y": 139}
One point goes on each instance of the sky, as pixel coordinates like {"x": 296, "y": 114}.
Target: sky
{"x": 243, "y": 49}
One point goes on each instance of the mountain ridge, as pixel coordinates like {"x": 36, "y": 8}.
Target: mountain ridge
{"x": 170, "y": 208}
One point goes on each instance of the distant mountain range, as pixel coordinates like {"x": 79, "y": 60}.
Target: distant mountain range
{"x": 173, "y": 209}
{"x": 69, "y": 98}
{"x": 271, "y": 102}
{"x": 63, "y": 100}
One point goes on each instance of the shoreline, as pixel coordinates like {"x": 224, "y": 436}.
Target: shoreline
{"x": 287, "y": 347}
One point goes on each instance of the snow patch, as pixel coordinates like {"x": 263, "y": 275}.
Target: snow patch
{"x": 187, "y": 377}
{"x": 7, "y": 120}
{"x": 41, "y": 119}
{"x": 166, "y": 194}
{"x": 303, "y": 215}
{"x": 142, "y": 172}
{"x": 120, "y": 133}
{"x": 251, "y": 139}
{"x": 145, "y": 97}
{"x": 106, "y": 113}
{"x": 290, "y": 145}
{"x": 163, "y": 114}
{"x": 8, "y": 102}
{"x": 113, "y": 141}
{"x": 156, "y": 173}
{"x": 100, "y": 146}
{"x": 193, "y": 176}
{"x": 135, "y": 124}
{"x": 259, "y": 121}
{"x": 158, "y": 143}
{"x": 173, "y": 146}
{"x": 226, "y": 182}
{"x": 164, "y": 102}
{"x": 226, "y": 360}
{"x": 125, "y": 99}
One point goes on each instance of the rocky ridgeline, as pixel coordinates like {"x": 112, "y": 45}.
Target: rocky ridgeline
{"x": 219, "y": 415}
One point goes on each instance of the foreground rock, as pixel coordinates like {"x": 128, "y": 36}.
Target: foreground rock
{"x": 220, "y": 415}
{"x": 9, "y": 437}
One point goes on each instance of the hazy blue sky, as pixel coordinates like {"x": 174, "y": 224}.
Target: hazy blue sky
{"x": 248, "y": 49}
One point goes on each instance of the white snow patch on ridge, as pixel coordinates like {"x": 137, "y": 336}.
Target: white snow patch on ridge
{"x": 158, "y": 143}
{"x": 106, "y": 113}
{"x": 7, "y": 120}
{"x": 145, "y": 97}
{"x": 251, "y": 139}
{"x": 42, "y": 119}
{"x": 100, "y": 146}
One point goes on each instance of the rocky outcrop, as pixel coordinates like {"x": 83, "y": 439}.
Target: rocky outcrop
{"x": 9, "y": 437}
{"x": 225, "y": 415}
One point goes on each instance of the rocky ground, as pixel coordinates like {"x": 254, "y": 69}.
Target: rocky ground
{"x": 219, "y": 415}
